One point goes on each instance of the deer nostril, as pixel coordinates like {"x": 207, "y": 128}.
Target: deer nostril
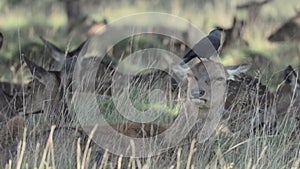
{"x": 201, "y": 92}
{"x": 197, "y": 93}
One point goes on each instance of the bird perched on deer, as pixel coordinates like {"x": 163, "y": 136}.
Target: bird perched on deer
{"x": 206, "y": 47}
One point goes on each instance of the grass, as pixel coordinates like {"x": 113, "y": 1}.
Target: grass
{"x": 223, "y": 151}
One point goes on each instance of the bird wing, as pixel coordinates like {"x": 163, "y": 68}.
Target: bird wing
{"x": 205, "y": 48}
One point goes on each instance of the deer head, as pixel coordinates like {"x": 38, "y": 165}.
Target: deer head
{"x": 44, "y": 92}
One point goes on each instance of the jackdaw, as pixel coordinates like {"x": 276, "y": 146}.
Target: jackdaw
{"x": 206, "y": 47}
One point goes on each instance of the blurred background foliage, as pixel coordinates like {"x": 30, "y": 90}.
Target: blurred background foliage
{"x": 23, "y": 21}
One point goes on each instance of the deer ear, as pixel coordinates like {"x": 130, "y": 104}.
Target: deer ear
{"x": 181, "y": 72}
{"x": 37, "y": 72}
{"x": 75, "y": 52}
{"x": 56, "y": 53}
{"x": 237, "y": 71}
{"x": 290, "y": 75}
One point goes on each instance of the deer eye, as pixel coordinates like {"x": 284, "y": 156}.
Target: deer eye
{"x": 207, "y": 81}
{"x": 29, "y": 87}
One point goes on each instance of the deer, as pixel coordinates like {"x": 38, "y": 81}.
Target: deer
{"x": 252, "y": 100}
{"x": 48, "y": 92}
{"x": 247, "y": 101}
{"x": 287, "y": 98}
{"x": 249, "y": 89}
{"x": 44, "y": 93}
{"x": 55, "y": 80}
{"x": 247, "y": 104}
{"x": 46, "y": 82}
{"x": 289, "y": 31}
{"x": 195, "y": 92}
{"x": 253, "y": 8}
{"x": 74, "y": 14}
{"x": 199, "y": 94}
{"x": 66, "y": 62}
{"x": 156, "y": 77}
{"x": 233, "y": 35}
{"x": 66, "y": 65}
{"x": 60, "y": 56}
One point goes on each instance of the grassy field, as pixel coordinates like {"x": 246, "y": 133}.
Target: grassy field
{"x": 23, "y": 21}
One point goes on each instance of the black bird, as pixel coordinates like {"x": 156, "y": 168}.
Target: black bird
{"x": 206, "y": 47}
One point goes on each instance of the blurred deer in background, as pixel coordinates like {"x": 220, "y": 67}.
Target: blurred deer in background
{"x": 253, "y": 8}
{"x": 234, "y": 35}
{"x": 78, "y": 21}
{"x": 289, "y": 31}
{"x": 74, "y": 14}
